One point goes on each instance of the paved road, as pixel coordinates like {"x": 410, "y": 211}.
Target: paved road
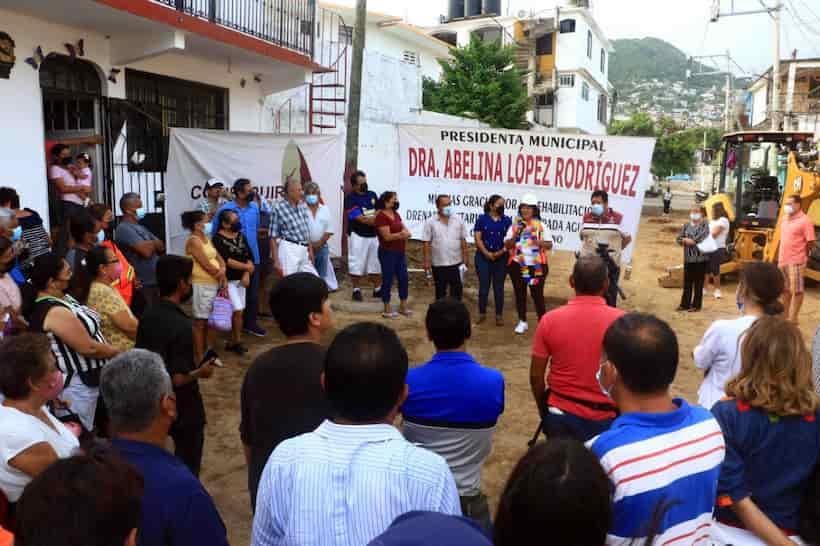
{"x": 680, "y": 201}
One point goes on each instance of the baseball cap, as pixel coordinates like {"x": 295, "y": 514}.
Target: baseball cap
{"x": 529, "y": 199}
{"x": 214, "y": 183}
{"x": 424, "y": 528}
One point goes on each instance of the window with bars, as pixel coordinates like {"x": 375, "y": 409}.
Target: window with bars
{"x": 410, "y": 57}
{"x": 566, "y": 80}
{"x": 543, "y": 45}
{"x": 567, "y": 26}
{"x": 589, "y": 44}
{"x": 346, "y": 34}
{"x": 70, "y": 90}
{"x": 602, "y": 109}
{"x": 170, "y": 102}
{"x": 603, "y": 61}
{"x": 585, "y": 91}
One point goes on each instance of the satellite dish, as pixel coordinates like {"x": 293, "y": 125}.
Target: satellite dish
{"x": 522, "y": 14}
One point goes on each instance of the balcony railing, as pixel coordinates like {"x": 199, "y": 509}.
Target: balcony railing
{"x": 286, "y": 23}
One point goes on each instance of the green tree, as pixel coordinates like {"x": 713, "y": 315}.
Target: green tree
{"x": 480, "y": 81}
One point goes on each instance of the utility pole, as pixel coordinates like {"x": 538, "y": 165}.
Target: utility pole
{"x": 727, "y": 106}
{"x": 727, "y": 124}
{"x": 359, "y": 31}
{"x": 774, "y": 13}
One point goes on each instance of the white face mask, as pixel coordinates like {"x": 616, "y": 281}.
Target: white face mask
{"x": 695, "y": 216}
{"x": 789, "y": 209}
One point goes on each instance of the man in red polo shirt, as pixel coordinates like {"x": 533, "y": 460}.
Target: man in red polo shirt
{"x": 602, "y": 224}
{"x": 796, "y": 241}
{"x": 570, "y": 339}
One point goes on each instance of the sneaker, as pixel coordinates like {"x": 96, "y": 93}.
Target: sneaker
{"x": 521, "y": 328}
{"x": 255, "y": 331}
{"x": 237, "y": 348}
{"x": 499, "y": 321}
{"x": 357, "y": 295}
{"x": 377, "y": 293}
{"x": 717, "y": 294}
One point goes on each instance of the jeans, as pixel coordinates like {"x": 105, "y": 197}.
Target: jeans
{"x": 394, "y": 264}
{"x": 693, "y": 277}
{"x": 448, "y": 277}
{"x": 572, "y": 426}
{"x": 536, "y": 291}
{"x": 320, "y": 260}
{"x": 491, "y": 273}
{"x": 252, "y": 301}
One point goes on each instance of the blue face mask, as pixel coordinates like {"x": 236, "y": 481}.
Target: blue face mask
{"x": 101, "y": 236}
{"x": 447, "y": 211}
{"x": 597, "y": 209}
{"x": 208, "y": 229}
{"x": 312, "y": 199}
{"x": 140, "y": 212}
{"x": 16, "y": 234}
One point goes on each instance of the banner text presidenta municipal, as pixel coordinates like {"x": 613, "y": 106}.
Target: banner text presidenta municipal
{"x": 562, "y": 171}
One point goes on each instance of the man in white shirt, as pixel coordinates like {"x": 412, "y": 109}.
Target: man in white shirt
{"x": 445, "y": 249}
{"x": 320, "y": 231}
{"x": 344, "y": 483}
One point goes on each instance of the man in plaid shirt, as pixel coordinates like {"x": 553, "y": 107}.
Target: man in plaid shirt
{"x": 290, "y": 233}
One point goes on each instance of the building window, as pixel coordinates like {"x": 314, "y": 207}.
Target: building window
{"x": 410, "y": 57}
{"x": 346, "y": 34}
{"x": 585, "y": 90}
{"x": 173, "y": 103}
{"x": 545, "y": 100}
{"x": 543, "y": 45}
{"x": 448, "y": 37}
{"x": 603, "y": 62}
{"x": 589, "y": 44}
{"x": 602, "y": 108}
{"x": 488, "y": 35}
{"x": 814, "y": 87}
{"x": 567, "y": 26}
{"x": 70, "y": 89}
{"x": 566, "y": 80}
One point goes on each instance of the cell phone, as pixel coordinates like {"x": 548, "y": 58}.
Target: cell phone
{"x": 210, "y": 355}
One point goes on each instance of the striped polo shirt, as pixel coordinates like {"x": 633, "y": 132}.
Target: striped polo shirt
{"x": 671, "y": 459}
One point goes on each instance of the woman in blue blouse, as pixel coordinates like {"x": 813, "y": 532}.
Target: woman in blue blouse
{"x": 772, "y": 428}
{"x": 491, "y": 256}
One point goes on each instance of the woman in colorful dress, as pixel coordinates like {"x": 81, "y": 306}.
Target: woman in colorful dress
{"x": 528, "y": 241}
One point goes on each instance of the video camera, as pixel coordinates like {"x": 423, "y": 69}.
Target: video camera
{"x": 605, "y": 253}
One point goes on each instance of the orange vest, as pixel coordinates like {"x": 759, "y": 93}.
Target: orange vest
{"x": 6, "y": 538}
{"x": 125, "y": 284}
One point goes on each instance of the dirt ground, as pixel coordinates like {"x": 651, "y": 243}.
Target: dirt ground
{"x": 224, "y": 469}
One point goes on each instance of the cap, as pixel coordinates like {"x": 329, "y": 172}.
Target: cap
{"x": 529, "y": 199}
{"x": 424, "y": 528}
{"x": 214, "y": 183}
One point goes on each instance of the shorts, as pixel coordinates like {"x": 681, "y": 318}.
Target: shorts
{"x": 716, "y": 258}
{"x": 363, "y": 255}
{"x": 203, "y": 300}
{"x": 236, "y": 292}
{"x": 793, "y": 278}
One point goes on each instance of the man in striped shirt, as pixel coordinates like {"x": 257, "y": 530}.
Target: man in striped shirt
{"x": 344, "y": 483}
{"x": 662, "y": 455}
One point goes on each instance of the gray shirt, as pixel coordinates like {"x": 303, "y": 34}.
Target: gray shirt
{"x": 128, "y": 235}
{"x": 445, "y": 239}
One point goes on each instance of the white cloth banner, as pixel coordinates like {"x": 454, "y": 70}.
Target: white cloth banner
{"x": 562, "y": 171}
{"x": 196, "y": 155}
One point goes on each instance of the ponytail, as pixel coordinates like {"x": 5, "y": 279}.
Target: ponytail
{"x": 764, "y": 285}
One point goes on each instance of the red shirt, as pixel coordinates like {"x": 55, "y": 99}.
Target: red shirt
{"x": 573, "y": 336}
{"x": 396, "y": 226}
{"x": 797, "y": 231}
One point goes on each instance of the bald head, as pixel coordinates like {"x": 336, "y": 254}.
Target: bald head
{"x": 590, "y": 276}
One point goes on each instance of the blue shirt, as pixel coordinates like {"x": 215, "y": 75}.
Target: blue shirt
{"x": 454, "y": 389}
{"x": 492, "y": 231}
{"x": 421, "y": 528}
{"x": 343, "y": 485}
{"x": 768, "y": 458}
{"x": 249, "y": 216}
{"x": 355, "y": 205}
{"x": 669, "y": 458}
{"x": 176, "y": 509}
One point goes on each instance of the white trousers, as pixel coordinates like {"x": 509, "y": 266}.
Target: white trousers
{"x": 295, "y": 259}
{"x": 82, "y": 400}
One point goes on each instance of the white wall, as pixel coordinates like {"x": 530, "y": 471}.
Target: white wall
{"x": 386, "y": 42}
{"x": 571, "y": 50}
{"x": 760, "y": 109}
{"x": 573, "y": 113}
{"x": 22, "y": 154}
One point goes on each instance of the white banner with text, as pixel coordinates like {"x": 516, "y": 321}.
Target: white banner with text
{"x": 562, "y": 171}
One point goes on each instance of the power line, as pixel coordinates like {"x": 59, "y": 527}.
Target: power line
{"x": 808, "y": 9}
{"x": 799, "y": 20}
{"x": 801, "y": 27}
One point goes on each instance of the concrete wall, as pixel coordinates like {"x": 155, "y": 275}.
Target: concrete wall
{"x": 571, "y": 50}
{"x": 22, "y": 154}
{"x": 573, "y": 113}
{"x": 386, "y": 42}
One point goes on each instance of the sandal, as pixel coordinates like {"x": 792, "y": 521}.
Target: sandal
{"x": 407, "y": 313}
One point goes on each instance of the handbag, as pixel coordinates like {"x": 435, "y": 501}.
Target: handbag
{"x": 708, "y": 245}
{"x": 221, "y": 312}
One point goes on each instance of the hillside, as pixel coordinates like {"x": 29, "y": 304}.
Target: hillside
{"x": 645, "y": 59}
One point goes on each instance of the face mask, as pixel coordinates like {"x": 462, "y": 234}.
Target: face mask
{"x": 695, "y": 217}
{"x": 396, "y": 205}
{"x": 447, "y": 211}
{"x": 140, "y": 212}
{"x": 54, "y": 385}
{"x": 604, "y": 390}
{"x": 789, "y": 209}
{"x": 236, "y": 227}
{"x": 16, "y": 234}
{"x": 116, "y": 271}
{"x": 312, "y": 199}
{"x": 597, "y": 209}
{"x": 65, "y": 161}
{"x": 208, "y": 229}
{"x": 499, "y": 210}
{"x": 363, "y": 187}
{"x": 101, "y": 237}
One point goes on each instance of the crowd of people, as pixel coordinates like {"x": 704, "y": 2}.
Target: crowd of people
{"x": 101, "y": 363}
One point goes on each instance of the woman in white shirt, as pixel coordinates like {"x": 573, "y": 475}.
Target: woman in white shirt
{"x": 31, "y": 439}
{"x": 718, "y": 353}
{"x": 719, "y": 230}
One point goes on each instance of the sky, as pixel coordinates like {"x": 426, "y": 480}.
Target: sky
{"x": 684, "y": 23}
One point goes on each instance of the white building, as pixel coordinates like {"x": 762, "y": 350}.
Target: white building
{"x": 566, "y": 54}
{"x": 799, "y": 96}
{"x": 117, "y": 74}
